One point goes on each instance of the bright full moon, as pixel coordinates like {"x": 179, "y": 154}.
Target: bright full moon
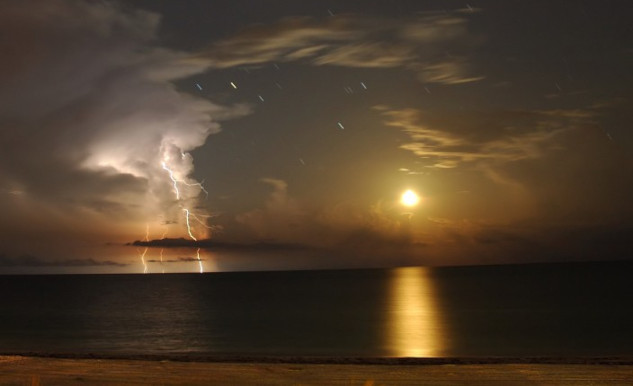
{"x": 409, "y": 198}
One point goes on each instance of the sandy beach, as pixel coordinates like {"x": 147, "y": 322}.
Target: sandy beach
{"x": 25, "y": 370}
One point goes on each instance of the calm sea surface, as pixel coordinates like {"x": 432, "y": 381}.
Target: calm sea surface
{"x": 582, "y": 309}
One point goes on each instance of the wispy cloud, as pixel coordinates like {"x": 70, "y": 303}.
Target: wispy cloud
{"x": 445, "y": 140}
{"x": 419, "y": 44}
{"x": 447, "y": 72}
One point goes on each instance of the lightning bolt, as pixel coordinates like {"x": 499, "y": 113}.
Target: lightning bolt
{"x": 199, "y": 261}
{"x": 183, "y": 196}
{"x": 145, "y": 268}
{"x": 146, "y": 232}
{"x": 189, "y": 225}
{"x": 198, "y": 184}
{"x": 173, "y": 180}
{"x": 176, "y": 181}
{"x": 195, "y": 217}
{"x": 161, "y": 259}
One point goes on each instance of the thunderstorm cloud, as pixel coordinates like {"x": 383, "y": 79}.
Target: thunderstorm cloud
{"x": 89, "y": 114}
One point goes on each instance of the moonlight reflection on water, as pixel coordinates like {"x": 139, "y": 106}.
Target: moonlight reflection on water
{"x": 414, "y": 326}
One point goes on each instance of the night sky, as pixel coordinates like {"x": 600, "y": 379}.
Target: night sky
{"x": 298, "y": 125}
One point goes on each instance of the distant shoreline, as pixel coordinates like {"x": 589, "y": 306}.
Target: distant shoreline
{"x": 622, "y": 263}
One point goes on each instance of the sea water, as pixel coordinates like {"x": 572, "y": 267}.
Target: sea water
{"x": 571, "y": 309}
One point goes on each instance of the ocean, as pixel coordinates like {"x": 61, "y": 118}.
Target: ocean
{"x": 536, "y": 310}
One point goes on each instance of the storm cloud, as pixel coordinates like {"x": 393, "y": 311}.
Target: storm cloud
{"x": 89, "y": 116}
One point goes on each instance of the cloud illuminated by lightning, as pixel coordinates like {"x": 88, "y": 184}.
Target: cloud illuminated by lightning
{"x": 184, "y": 190}
{"x": 161, "y": 158}
{"x": 124, "y": 88}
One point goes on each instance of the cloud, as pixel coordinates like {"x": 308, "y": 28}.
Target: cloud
{"x": 524, "y": 170}
{"x": 510, "y": 218}
{"x": 187, "y": 259}
{"x": 34, "y": 261}
{"x": 353, "y": 228}
{"x": 88, "y": 115}
{"x": 539, "y": 242}
{"x": 281, "y": 219}
{"x": 419, "y": 44}
{"x": 447, "y": 72}
{"x": 450, "y": 140}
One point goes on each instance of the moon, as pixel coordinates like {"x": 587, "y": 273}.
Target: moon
{"x": 409, "y": 198}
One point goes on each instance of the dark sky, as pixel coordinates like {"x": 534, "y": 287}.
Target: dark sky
{"x": 296, "y": 122}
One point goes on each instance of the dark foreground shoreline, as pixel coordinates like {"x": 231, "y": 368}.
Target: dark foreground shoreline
{"x": 41, "y": 369}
